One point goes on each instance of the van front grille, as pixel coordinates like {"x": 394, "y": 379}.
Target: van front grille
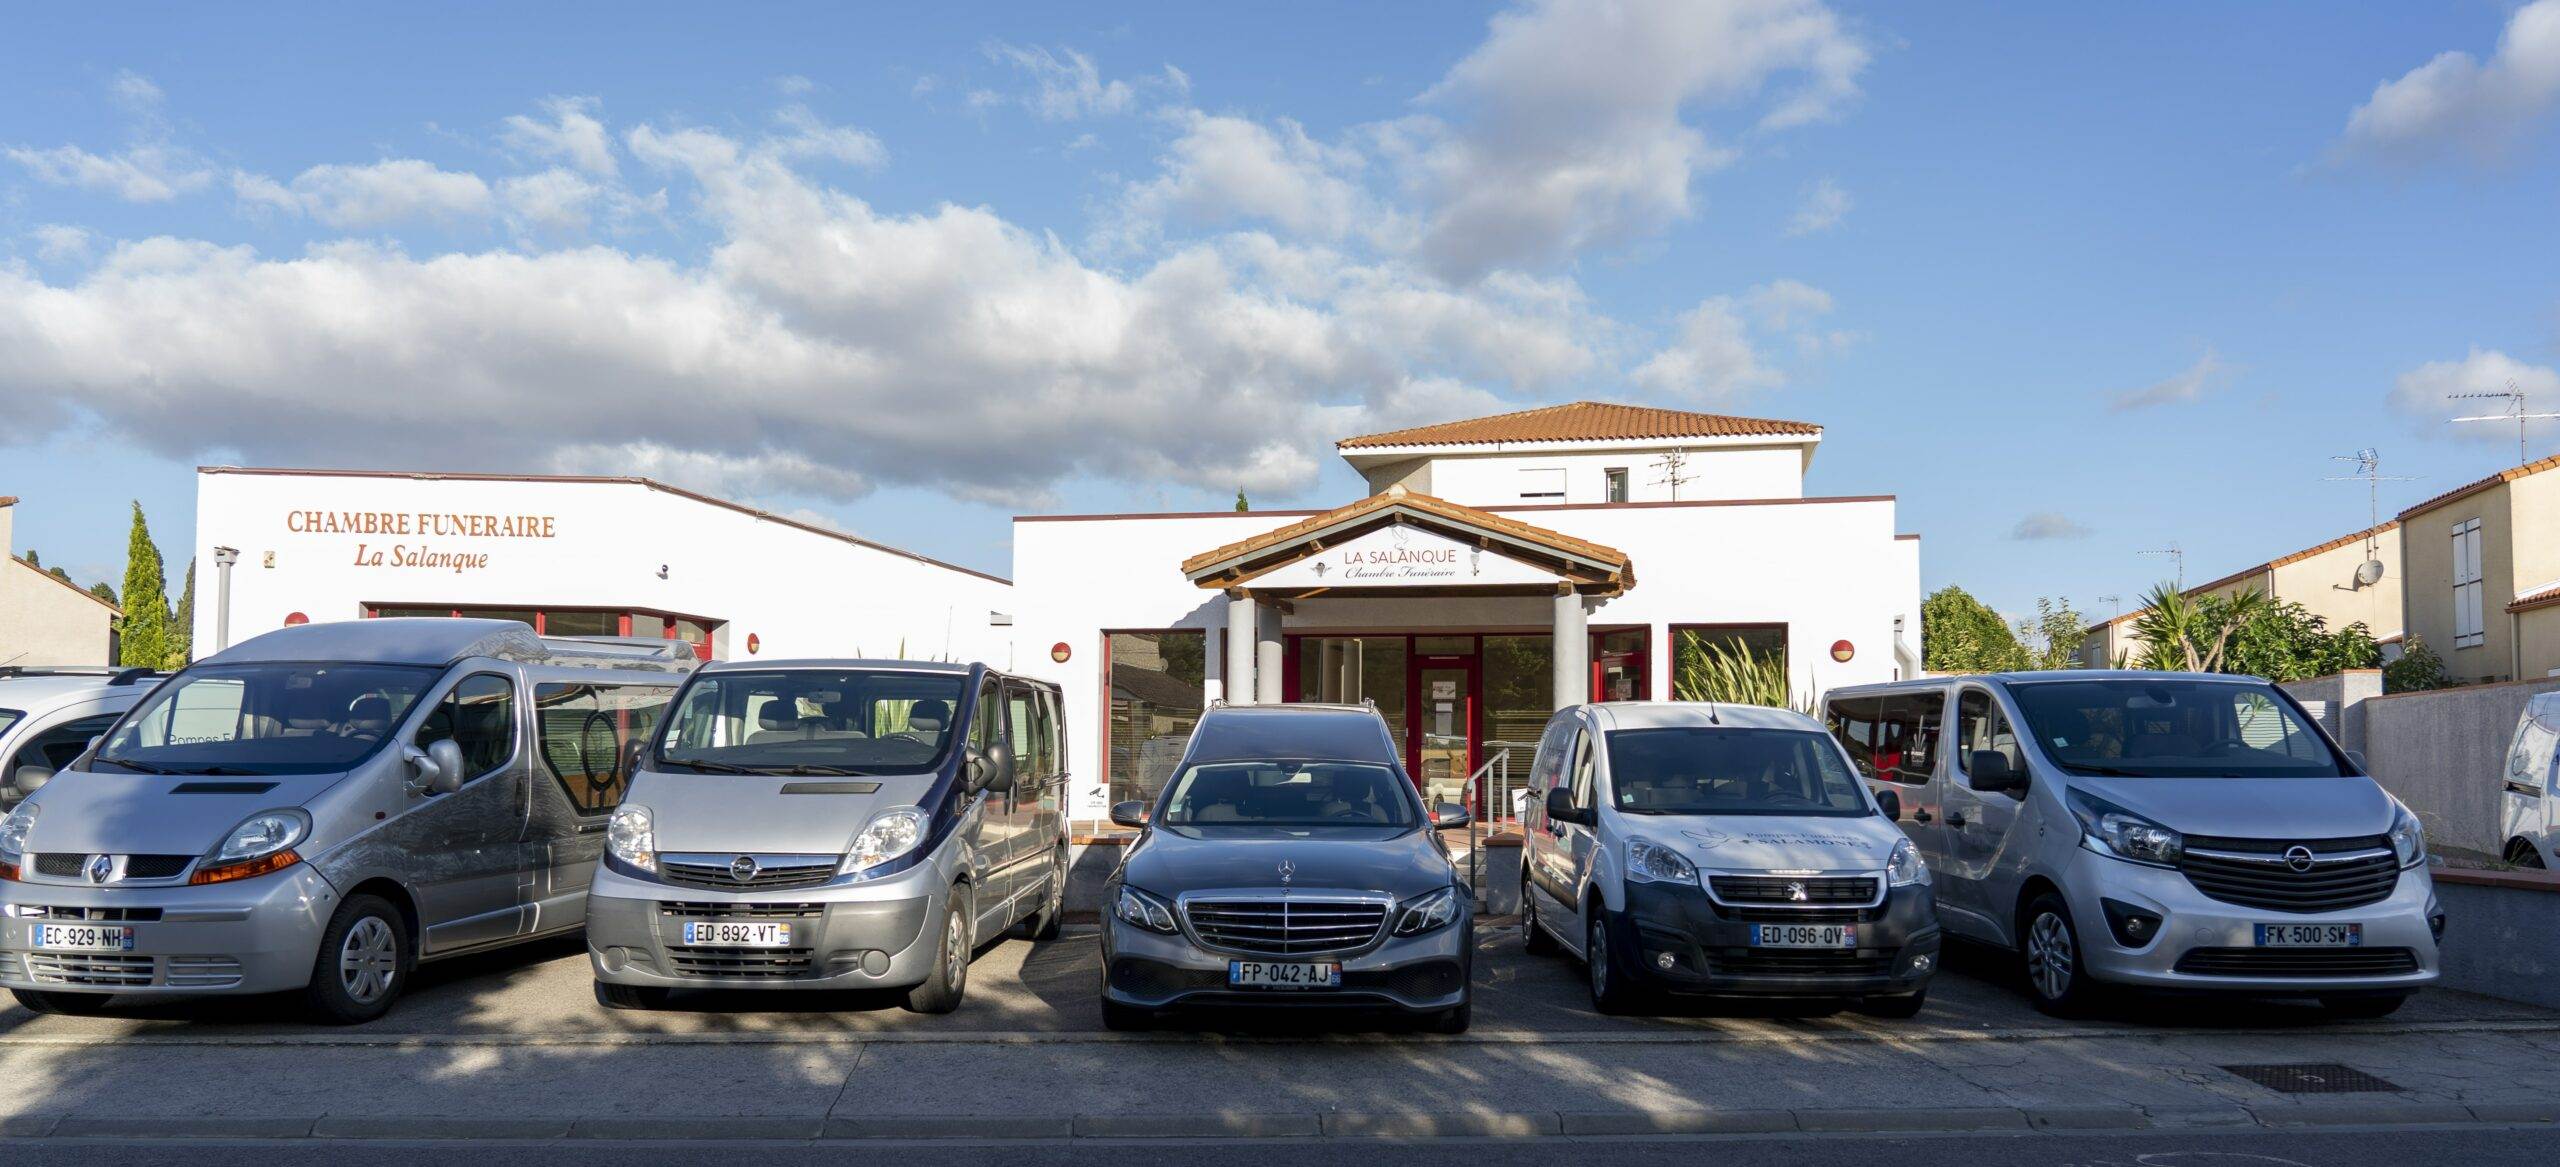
{"x": 739, "y": 963}
{"x": 66, "y": 865}
{"x": 769, "y": 872}
{"x": 708, "y": 910}
{"x": 1830, "y": 891}
{"x": 2256, "y": 873}
{"x": 2298, "y": 962}
{"x": 1767, "y": 962}
{"x": 1286, "y": 927}
{"x": 202, "y": 972}
{"x": 91, "y": 915}
{"x": 95, "y": 971}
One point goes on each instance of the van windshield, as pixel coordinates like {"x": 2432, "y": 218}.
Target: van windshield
{"x": 267, "y": 718}
{"x": 1291, "y": 794}
{"x": 813, "y": 721}
{"x": 1731, "y": 771}
{"x": 2173, "y": 728}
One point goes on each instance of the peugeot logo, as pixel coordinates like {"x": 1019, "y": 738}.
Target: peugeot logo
{"x": 2299, "y": 857}
{"x": 100, "y": 867}
{"x": 1288, "y": 871}
{"x": 1796, "y": 893}
{"x": 743, "y": 868}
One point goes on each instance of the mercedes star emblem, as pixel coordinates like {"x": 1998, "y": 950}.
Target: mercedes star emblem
{"x": 743, "y": 868}
{"x": 1287, "y": 871}
{"x": 100, "y": 867}
{"x": 2299, "y": 858}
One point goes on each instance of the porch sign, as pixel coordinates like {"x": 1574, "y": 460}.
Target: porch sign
{"x": 1400, "y": 556}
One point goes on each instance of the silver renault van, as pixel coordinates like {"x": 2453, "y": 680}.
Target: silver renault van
{"x": 323, "y": 807}
{"x": 848, "y": 824}
{"x": 2185, "y": 831}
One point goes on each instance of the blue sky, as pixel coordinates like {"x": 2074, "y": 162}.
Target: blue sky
{"x": 2074, "y": 281}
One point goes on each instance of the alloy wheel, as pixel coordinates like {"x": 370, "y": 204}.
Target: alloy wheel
{"x": 368, "y": 960}
{"x": 2049, "y": 956}
{"x": 1596, "y": 955}
{"x": 955, "y": 951}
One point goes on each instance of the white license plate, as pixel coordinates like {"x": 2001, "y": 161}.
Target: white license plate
{"x": 84, "y": 938}
{"x": 2310, "y": 935}
{"x": 736, "y": 934}
{"x": 1804, "y": 936}
{"x": 1256, "y": 974}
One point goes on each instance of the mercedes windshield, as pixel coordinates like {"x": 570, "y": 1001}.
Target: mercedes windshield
{"x": 813, "y": 722}
{"x": 1291, "y": 794}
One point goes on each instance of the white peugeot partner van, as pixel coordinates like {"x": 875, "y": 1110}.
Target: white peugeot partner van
{"x": 1720, "y": 849}
{"x": 2531, "y": 822}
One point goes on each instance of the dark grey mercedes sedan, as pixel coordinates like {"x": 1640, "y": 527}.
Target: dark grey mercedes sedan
{"x": 1289, "y": 862}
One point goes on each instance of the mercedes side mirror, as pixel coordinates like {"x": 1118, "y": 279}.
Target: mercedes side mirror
{"x": 446, "y": 758}
{"x": 1131, "y": 814}
{"x": 1891, "y": 804}
{"x": 1450, "y": 816}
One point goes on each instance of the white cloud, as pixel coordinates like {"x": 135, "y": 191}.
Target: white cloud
{"x": 146, "y": 173}
{"x": 1567, "y": 127}
{"x": 810, "y": 137}
{"x": 553, "y": 200}
{"x": 2457, "y": 103}
{"x": 378, "y": 194}
{"x": 1069, "y": 86}
{"x": 1824, "y": 206}
{"x": 2424, "y": 394}
{"x": 1223, "y": 169}
{"x": 61, "y": 242}
{"x": 135, "y": 92}
{"x": 2193, "y": 382}
{"x": 1716, "y": 354}
{"x": 573, "y": 134}
{"x": 2047, "y": 525}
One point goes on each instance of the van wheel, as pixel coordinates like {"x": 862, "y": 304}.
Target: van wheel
{"x": 632, "y": 996}
{"x": 1613, "y": 990}
{"x": 1046, "y": 924}
{"x": 1119, "y": 1018}
{"x": 2049, "y": 953}
{"x": 1533, "y": 936}
{"x": 1902, "y": 1008}
{"x": 2364, "y": 1008}
{"x": 948, "y": 980}
{"x": 2522, "y": 853}
{"x": 1455, "y": 1019}
{"x": 364, "y": 963}
{"x": 61, "y": 1004}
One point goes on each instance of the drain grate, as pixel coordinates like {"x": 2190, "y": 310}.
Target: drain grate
{"x": 2312, "y": 1078}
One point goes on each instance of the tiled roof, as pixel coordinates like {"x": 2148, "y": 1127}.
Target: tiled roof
{"x": 2468, "y": 489}
{"x": 1583, "y": 421}
{"x": 1535, "y": 536}
{"x": 2270, "y": 565}
{"x": 2542, "y": 596}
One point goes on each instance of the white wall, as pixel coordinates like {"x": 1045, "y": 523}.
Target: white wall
{"x": 1748, "y": 472}
{"x": 42, "y": 622}
{"x": 1828, "y": 570}
{"x": 801, "y": 593}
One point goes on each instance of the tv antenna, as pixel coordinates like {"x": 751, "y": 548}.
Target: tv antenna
{"x": 2515, "y": 412}
{"x": 2177, "y": 554}
{"x": 1674, "y": 471}
{"x": 2368, "y": 471}
{"x": 2117, "y": 602}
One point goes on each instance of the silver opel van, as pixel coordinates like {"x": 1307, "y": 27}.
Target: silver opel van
{"x": 323, "y": 807}
{"x": 852, "y": 824}
{"x": 2184, "y": 831}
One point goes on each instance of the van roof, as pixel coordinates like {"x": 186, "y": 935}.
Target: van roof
{"x": 2048, "y": 675}
{"x": 33, "y": 690}
{"x": 1618, "y": 715}
{"x": 440, "y": 640}
{"x": 1335, "y": 733}
{"x": 850, "y": 662}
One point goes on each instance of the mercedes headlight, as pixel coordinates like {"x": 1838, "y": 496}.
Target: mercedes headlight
{"x": 632, "y": 838}
{"x": 889, "y": 835}
{"x": 1651, "y": 862}
{"x": 1906, "y": 867}
{"x": 1145, "y": 911}
{"x": 1426, "y": 912}
{"x": 263, "y": 842}
{"x": 2408, "y": 837}
{"x": 2109, "y": 829}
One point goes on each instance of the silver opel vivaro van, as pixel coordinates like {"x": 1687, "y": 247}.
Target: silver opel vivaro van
{"x": 2183, "y": 831}
{"x": 852, "y": 824}
{"x": 323, "y": 807}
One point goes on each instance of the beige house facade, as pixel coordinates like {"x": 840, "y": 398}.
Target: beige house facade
{"x": 44, "y": 621}
{"x": 2330, "y": 581}
{"x": 2484, "y": 574}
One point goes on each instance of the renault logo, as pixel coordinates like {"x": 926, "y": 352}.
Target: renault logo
{"x": 743, "y": 868}
{"x": 1288, "y": 871}
{"x": 2299, "y": 857}
{"x": 100, "y": 867}
{"x": 1796, "y": 893}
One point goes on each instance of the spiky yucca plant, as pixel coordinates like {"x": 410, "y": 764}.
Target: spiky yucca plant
{"x": 1733, "y": 674}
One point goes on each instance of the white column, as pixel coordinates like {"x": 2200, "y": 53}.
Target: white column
{"x": 1243, "y": 621}
{"x": 1213, "y": 669}
{"x": 1267, "y": 670}
{"x": 1572, "y": 650}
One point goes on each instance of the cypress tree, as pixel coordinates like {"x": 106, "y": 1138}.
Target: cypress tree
{"x": 182, "y": 627}
{"x": 146, "y": 599}
{"x": 1241, "y": 504}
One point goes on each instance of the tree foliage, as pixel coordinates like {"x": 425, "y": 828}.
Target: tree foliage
{"x": 182, "y": 623}
{"x": 2052, "y": 639}
{"x": 146, "y": 600}
{"x": 2417, "y": 669}
{"x": 1960, "y": 634}
{"x": 2247, "y": 632}
{"x": 1703, "y": 670}
{"x": 1241, "y": 503}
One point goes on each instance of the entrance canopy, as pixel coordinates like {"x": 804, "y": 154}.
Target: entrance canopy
{"x": 1407, "y": 544}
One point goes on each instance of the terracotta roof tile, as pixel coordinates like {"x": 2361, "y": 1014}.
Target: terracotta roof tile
{"x": 2270, "y": 565}
{"x": 1583, "y": 421}
{"x": 2537, "y": 597}
{"x": 2468, "y": 489}
{"x": 1554, "y": 541}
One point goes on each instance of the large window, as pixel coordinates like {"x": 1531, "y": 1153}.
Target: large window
{"x": 2172, "y": 728}
{"x": 1730, "y": 662}
{"x": 266, "y": 718}
{"x": 2470, "y": 625}
{"x": 1892, "y": 738}
{"x": 479, "y": 715}
{"x": 574, "y": 621}
{"x": 814, "y": 721}
{"x": 1542, "y": 484}
{"x": 582, "y": 729}
{"x": 1157, "y": 680}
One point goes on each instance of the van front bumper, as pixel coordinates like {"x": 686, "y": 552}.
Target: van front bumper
{"x": 258, "y": 935}
{"x": 872, "y": 935}
{"x": 1411, "y": 974}
{"x": 1710, "y": 948}
{"x": 2202, "y": 943}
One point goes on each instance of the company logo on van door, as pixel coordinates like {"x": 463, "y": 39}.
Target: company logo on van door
{"x": 424, "y": 526}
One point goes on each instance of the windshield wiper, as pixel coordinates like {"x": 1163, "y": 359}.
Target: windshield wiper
{"x": 709, "y": 767}
{"x": 143, "y": 767}
{"x": 2112, "y": 772}
{"x": 804, "y": 770}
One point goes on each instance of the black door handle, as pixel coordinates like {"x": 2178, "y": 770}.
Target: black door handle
{"x": 1921, "y": 815}
{"x": 1954, "y": 819}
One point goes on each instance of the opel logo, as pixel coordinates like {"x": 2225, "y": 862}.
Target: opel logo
{"x": 1796, "y": 893}
{"x": 2299, "y": 857}
{"x": 1288, "y": 871}
{"x": 100, "y": 867}
{"x": 743, "y": 868}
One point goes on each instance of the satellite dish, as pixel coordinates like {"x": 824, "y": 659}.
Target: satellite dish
{"x": 2369, "y": 573}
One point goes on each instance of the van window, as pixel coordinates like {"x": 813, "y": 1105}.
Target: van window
{"x": 1853, "y": 721}
{"x": 266, "y": 718}
{"x": 1982, "y": 728}
{"x": 479, "y": 715}
{"x": 1044, "y": 734}
{"x": 1582, "y": 770}
{"x": 2173, "y": 728}
{"x": 1020, "y": 714}
{"x": 812, "y": 721}
{"x": 1552, "y": 748}
{"x": 53, "y": 749}
{"x": 581, "y": 730}
{"x": 1906, "y": 741}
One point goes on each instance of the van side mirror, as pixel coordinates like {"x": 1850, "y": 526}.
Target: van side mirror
{"x": 31, "y": 777}
{"x": 1129, "y": 814}
{"x": 1450, "y": 816}
{"x": 991, "y": 768}
{"x": 1992, "y": 774}
{"x": 446, "y": 756}
{"x": 2355, "y": 758}
{"x": 1891, "y": 804}
{"x": 1560, "y": 808}
{"x": 629, "y": 762}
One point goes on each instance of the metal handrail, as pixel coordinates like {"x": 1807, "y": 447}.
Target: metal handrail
{"x": 1500, "y": 763}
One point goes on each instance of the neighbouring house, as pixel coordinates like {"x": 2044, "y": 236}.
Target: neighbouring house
{"x": 43, "y": 619}
{"x": 2331, "y": 581}
{"x": 2484, "y": 574}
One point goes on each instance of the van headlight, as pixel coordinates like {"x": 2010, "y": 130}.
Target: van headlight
{"x": 1906, "y": 867}
{"x": 1651, "y": 862}
{"x": 2112, "y": 830}
{"x": 263, "y": 842}
{"x": 2408, "y": 836}
{"x": 13, "y": 838}
{"x": 631, "y": 837}
{"x": 1426, "y": 912}
{"x": 889, "y": 835}
{"x": 1145, "y": 911}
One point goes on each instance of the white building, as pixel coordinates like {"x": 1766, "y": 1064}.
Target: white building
{"x": 1491, "y": 576}
{"x": 576, "y": 556}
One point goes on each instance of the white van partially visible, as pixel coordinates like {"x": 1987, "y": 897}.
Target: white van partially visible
{"x": 2531, "y": 820}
